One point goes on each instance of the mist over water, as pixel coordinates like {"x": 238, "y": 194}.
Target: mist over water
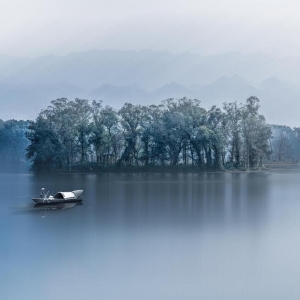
{"x": 152, "y": 236}
{"x": 205, "y": 236}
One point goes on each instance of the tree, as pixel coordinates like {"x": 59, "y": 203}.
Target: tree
{"x": 70, "y": 134}
{"x": 110, "y": 122}
{"x": 255, "y": 133}
{"x": 97, "y": 138}
{"x": 13, "y": 141}
{"x": 130, "y": 121}
{"x": 81, "y": 110}
{"x": 233, "y": 115}
{"x": 173, "y": 129}
{"x": 44, "y": 148}
{"x": 284, "y": 145}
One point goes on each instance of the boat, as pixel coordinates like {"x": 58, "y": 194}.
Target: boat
{"x": 60, "y": 197}
{"x": 55, "y": 206}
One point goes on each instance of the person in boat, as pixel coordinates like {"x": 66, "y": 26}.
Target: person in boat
{"x": 42, "y": 193}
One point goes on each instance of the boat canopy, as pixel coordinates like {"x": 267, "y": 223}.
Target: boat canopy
{"x": 77, "y": 193}
{"x": 65, "y": 195}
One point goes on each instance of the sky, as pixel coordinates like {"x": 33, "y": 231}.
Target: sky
{"x": 42, "y": 27}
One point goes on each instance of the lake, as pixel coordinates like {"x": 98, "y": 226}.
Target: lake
{"x": 232, "y": 236}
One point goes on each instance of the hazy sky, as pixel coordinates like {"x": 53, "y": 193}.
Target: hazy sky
{"x": 41, "y": 27}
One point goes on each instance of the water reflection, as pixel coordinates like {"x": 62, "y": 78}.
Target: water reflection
{"x": 43, "y": 209}
{"x": 183, "y": 201}
{"x": 58, "y": 206}
{"x": 180, "y": 200}
{"x": 152, "y": 236}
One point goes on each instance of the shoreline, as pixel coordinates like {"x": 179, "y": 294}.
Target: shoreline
{"x": 176, "y": 170}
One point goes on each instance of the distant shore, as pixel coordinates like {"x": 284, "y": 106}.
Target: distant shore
{"x": 151, "y": 169}
{"x": 178, "y": 169}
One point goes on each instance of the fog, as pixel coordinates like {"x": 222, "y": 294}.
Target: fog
{"x": 145, "y": 51}
{"x": 191, "y": 235}
{"x": 152, "y": 236}
{"x": 35, "y": 28}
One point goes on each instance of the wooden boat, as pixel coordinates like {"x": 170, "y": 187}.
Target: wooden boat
{"x": 60, "y": 197}
{"x": 55, "y": 206}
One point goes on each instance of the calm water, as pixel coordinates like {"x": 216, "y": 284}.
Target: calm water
{"x": 217, "y": 236}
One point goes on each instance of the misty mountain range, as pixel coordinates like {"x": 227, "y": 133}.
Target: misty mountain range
{"x": 146, "y": 77}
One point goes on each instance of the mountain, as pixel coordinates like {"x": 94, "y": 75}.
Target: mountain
{"x": 147, "y": 69}
{"x": 172, "y": 90}
{"x": 119, "y": 94}
{"x": 18, "y": 102}
{"x": 225, "y": 89}
{"x": 143, "y": 77}
{"x": 279, "y": 88}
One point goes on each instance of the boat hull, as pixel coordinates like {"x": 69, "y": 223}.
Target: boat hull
{"x": 54, "y": 200}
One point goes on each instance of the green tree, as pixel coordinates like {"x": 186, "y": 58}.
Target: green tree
{"x": 233, "y": 115}
{"x": 256, "y": 134}
{"x": 131, "y": 116}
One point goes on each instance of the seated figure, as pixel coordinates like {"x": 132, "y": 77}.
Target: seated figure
{"x": 42, "y": 193}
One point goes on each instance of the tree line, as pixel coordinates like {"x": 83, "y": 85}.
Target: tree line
{"x": 285, "y": 144}
{"x": 78, "y": 135}
{"x": 13, "y": 141}
{"x": 73, "y": 135}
